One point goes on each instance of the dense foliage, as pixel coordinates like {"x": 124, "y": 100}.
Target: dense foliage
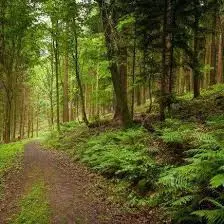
{"x": 179, "y": 166}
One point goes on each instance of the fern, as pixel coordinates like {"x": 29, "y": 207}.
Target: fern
{"x": 215, "y": 216}
{"x": 122, "y": 155}
{"x": 217, "y": 181}
{"x": 185, "y": 188}
{"x": 183, "y": 200}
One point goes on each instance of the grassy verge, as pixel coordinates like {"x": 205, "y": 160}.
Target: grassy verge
{"x": 34, "y": 206}
{"x": 10, "y": 156}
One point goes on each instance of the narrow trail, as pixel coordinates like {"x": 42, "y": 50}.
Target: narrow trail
{"x": 76, "y": 196}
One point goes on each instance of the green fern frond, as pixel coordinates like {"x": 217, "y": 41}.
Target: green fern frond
{"x": 212, "y": 201}
{"x": 183, "y": 200}
{"x": 215, "y": 216}
{"x": 217, "y": 181}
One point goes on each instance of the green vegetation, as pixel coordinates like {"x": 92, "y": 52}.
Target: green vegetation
{"x": 34, "y": 206}
{"x": 193, "y": 192}
{"x": 154, "y": 69}
{"x": 179, "y": 166}
{"x": 122, "y": 155}
{"x": 212, "y": 90}
{"x": 118, "y": 154}
{"x": 9, "y": 158}
{"x": 8, "y": 154}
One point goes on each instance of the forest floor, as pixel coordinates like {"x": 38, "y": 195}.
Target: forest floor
{"x": 73, "y": 193}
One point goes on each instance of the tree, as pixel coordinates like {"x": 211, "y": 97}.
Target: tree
{"x": 113, "y": 51}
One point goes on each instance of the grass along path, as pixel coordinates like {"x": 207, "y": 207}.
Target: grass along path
{"x": 34, "y": 206}
{"x": 11, "y": 177}
{"x": 8, "y": 154}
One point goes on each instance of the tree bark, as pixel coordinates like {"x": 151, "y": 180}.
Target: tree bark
{"x": 167, "y": 57}
{"x": 133, "y": 73}
{"x": 77, "y": 73}
{"x": 213, "y": 72}
{"x": 56, "y": 60}
{"x": 65, "y": 83}
{"x": 195, "y": 63}
{"x": 117, "y": 74}
{"x": 220, "y": 59}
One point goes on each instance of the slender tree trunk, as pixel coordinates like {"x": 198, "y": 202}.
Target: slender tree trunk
{"x": 133, "y": 73}
{"x": 15, "y": 118}
{"x": 196, "y": 64}
{"x": 28, "y": 124}
{"x": 37, "y": 116}
{"x": 51, "y": 89}
{"x": 166, "y": 74}
{"x": 32, "y": 124}
{"x": 65, "y": 84}
{"x": 21, "y": 114}
{"x": 8, "y": 122}
{"x": 213, "y": 72}
{"x": 78, "y": 79}
{"x": 220, "y": 59}
{"x": 97, "y": 93}
{"x": 56, "y": 55}
{"x": 150, "y": 93}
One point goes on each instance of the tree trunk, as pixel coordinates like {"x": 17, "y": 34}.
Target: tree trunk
{"x": 8, "y": 121}
{"x": 37, "y": 116}
{"x": 213, "y": 52}
{"x": 167, "y": 57}
{"x": 196, "y": 64}
{"x": 65, "y": 84}
{"x": 118, "y": 75}
{"x": 32, "y": 124}
{"x": 133, "y": 74}
{"x": 56, "y": 56}
{"x": 78, "y": 79}
{"x": 138, "y": 95}
{"x": 15, "y": 118}
{"x": 220, "y": 59}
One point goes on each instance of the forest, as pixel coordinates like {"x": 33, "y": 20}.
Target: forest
{"x": 112, "y": 111}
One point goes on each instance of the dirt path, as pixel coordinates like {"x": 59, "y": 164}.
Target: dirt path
{"x": 76, "y": 195}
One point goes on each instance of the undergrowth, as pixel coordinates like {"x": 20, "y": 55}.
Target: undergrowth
{"x": 180, "y": 166}
{"x": 122, "y": 155}
{"x": 205, "y": 92}
{"x": 125, "y": 156}
{"x": 193, "y": 192}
